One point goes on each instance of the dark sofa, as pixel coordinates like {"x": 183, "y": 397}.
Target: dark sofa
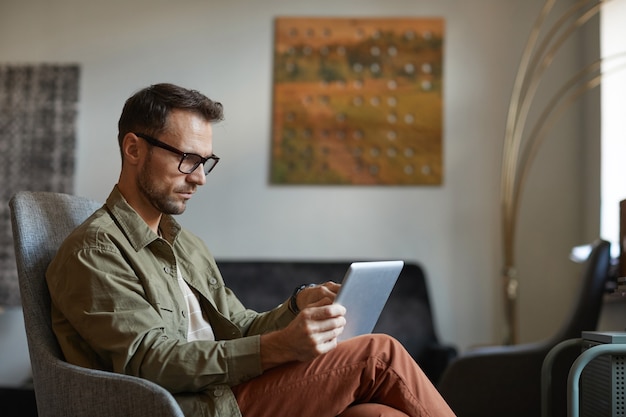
{"x": 262, "y": 285}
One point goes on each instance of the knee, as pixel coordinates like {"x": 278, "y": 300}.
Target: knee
{"x": 385, "y": 342}
{"x": 381, "y": 345}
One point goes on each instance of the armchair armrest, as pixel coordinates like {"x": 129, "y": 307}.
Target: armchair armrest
{"x": 83, "y": 391}
{"x": 507, "y": 378}
{"x": 492, "y": 375}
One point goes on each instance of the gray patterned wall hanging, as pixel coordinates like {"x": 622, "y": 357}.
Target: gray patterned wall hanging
{"x": 38, "y": 106}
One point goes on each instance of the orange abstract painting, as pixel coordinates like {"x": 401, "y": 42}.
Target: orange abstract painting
{"x": 357, "y": 101}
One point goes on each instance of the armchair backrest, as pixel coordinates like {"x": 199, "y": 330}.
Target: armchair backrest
{"x": 41, "y": 221}
{"x": 587, "y": 307}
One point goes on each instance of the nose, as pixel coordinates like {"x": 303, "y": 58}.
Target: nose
{"x": 197, "y": 176}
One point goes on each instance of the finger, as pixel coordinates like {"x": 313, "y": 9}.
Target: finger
{"x": 332, "y": 286}
{"x": 328, "y": 291}
{"x": 312, "y": 295}
{"x": 321, "y": 332}
{"x": 324, "y": 312}
{"x": 321, "y": 302}
{"x": 328, "y": 340}
{"x": 328, "y": 325}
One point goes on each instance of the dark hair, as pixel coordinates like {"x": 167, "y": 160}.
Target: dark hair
{"x": 148, "y": 109}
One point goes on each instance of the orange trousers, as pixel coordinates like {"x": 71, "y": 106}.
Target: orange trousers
{"x": 367, "y": 376}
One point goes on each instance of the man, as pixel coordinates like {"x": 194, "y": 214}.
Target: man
{"x": 132, "y": 292}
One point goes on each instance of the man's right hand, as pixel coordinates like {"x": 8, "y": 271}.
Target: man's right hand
{"x": 313, "y": 332}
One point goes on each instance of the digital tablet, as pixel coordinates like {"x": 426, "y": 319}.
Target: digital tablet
{"x": 364, "y": 292}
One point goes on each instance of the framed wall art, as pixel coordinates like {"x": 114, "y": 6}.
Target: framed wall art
{"x": 357, "y": 101}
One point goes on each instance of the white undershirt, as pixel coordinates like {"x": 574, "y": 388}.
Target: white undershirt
{"x": 199, "y": 326}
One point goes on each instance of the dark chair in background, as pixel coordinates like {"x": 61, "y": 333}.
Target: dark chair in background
{"x": 506, "y": 380}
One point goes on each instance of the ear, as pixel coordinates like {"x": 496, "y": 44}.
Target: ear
{"x": 131, "y": 149}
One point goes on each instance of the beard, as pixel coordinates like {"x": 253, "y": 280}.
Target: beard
{"x": 160, "y": 197}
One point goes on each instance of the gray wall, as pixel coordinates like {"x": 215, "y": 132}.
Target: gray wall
{"x": 224, "y": 48}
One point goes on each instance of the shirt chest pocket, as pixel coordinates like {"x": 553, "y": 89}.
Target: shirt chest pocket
{"x": 171, "y": 306}
{"x": 174, "y": 320}
{"x": 173, "y": 310}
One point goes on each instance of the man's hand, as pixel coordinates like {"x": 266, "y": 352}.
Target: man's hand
{"x": 318, "y": 295}
{"x": 312, "y": 333}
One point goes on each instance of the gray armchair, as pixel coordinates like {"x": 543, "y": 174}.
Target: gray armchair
{"x": 41, "y": 221}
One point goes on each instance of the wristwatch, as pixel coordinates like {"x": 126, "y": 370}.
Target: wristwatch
{"x": 293, "y": 304}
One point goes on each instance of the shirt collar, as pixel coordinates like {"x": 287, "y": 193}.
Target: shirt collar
{"x": 134, "y": 227}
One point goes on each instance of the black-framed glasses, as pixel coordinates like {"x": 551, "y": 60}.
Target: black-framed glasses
{"x": 188, "y": 161}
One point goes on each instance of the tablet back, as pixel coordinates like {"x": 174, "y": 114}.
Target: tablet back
{"x": 364, "y": 292}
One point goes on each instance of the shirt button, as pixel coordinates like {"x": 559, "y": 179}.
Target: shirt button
{"x": 213, "y": 281}
{"x": 218, "y": 392}
{"x": 166, "y": 269}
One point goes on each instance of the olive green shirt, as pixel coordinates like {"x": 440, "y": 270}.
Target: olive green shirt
{"x": 117, "y": 306}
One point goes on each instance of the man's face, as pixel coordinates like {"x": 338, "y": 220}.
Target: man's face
{"x": 159, "y": 181}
